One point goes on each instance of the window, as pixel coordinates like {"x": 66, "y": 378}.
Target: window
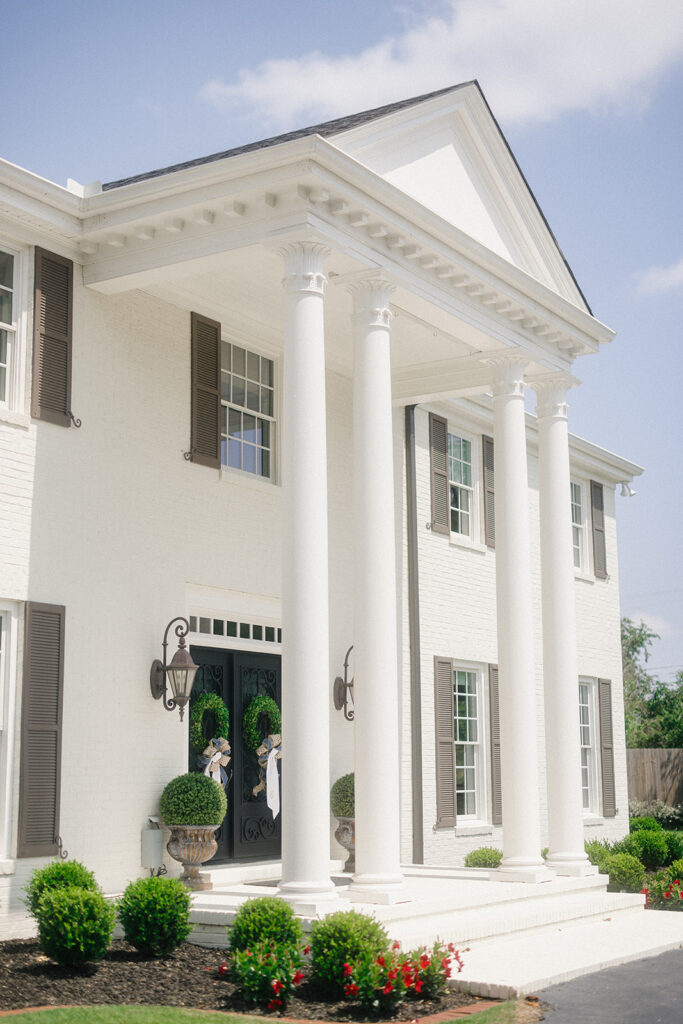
{"x": 577, "y": 524}
{"x": 8, "y": 327}
{"x": 466, "y": 733}
{"x": 460, "y": 484}
{"x": 247, "y": 413}
{"x": 588, "y": 749}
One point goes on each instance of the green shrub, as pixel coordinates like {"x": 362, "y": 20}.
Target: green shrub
{"x": 598, "y": 851}
{"x": 58, "y": 874}
{"x": 676, "y": 869}
{"x": 75, "y": 925}
{"x": 626, "y": 873}
{"x": 648, "y": 845}
{"x": 646, "y": 822}
{"x": 342, "y": 938}
{"x": 264, "y": 919}
{"x": 154, "y": 913}
{"x": 674, "y": 844}
{"x": 193, "y": 799}
{"x": 342, "y": 797}
{"x": 267, "y": 972}
{"x": 484, "y": 857}
{"x": 668, "y": 817}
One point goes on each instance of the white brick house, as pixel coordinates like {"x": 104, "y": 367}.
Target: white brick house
{"x": 298, "y": 469}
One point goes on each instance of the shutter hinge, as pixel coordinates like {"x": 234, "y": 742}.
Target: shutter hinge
{"x": 187, "y": 455}
{"x": 76, "y": 422}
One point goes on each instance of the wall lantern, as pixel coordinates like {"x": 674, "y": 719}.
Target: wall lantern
{"x": 180, "y": 672}
{"x": 626, "y": 490}
{"x": 342, "y": 689}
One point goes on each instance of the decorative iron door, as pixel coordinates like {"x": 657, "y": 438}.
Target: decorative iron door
{"x": 256, "y": 834}
{"x": 249, "y": 830}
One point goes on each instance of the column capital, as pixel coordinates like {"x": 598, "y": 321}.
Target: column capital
{"x": 508, "y": 372}
{"x": 304, "y": 267}
{"x": 371, "y": 298}
{"x": 552, "y": 394}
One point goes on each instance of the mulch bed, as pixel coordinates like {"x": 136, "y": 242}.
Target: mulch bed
{"x": 188, "y": 977}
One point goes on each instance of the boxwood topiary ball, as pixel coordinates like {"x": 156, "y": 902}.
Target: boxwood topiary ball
{"x": 342, "y": 797}
{"x": 193, "y": 799}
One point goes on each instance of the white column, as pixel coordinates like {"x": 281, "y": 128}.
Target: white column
{"x": 376, "y": 765}
{"x": 522, "y": 859}
{"x": 560, "y": 668}
{"x": 305, "y": 656}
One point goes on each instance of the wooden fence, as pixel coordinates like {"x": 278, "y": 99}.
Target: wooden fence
{"x": 655, "y": 775}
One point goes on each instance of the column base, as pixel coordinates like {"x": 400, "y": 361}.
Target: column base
{"x": 521, "y": 871}
{"x": 381, "y": 889}
{"x": 577, "y": 867}
{"x": 310, "y": 899}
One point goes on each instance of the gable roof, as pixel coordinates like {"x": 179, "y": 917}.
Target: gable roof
{"x": 327, "y": 129}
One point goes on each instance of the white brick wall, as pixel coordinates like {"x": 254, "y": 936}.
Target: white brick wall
{"x": 111, "y": 521}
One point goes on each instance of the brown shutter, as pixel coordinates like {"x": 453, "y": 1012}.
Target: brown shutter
{"x": 52, "y": 334}
{"x": 438, "y": 455}
{"x": 206, "y": 391}
{"x": 489, "y": 493}
{"x": 494, "y": 721}
{"x": 598, "y": 521}
{"x": 41, "y": 726}
{"x": 609, "y": 798}
{"x": 445, "y": 744}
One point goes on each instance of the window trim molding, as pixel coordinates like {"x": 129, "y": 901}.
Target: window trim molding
{"x": 594, "y": 809}
{"x": 474, "y": 539}
{"x": 482, "y": 818}
{"x": 13, "y": 409}
{"x": 11, "y": 620}
{"x": 585, "y": 569}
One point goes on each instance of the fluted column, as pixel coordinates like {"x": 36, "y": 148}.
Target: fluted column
{"x": 522, "y": 859}
{"x": 560, "y": 668}
{"x": 378, "y": 873}
{"x": 305, "y": 646}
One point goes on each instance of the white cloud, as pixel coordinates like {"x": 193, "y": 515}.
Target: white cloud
{"x": 661, "y": 279}
{"x": 658, "y": 623}
{"x": 535, "y": 59}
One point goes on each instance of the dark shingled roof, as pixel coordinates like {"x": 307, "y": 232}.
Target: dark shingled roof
{"x": 325, "y": 129}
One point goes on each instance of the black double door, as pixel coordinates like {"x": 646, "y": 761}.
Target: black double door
{"x": 249, "y": 831}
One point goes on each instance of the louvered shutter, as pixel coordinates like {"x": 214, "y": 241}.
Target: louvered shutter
{"x": 52, "y": 335}
{"x": 438, "y": 456}
{"x": 206, "y": 391}
{"x": 598, "y": 521}
{"x": 489, "y": 492}
{"x": 494, "y": 723}
{"x": 445, "y": 744}
{"x": 609, "y": 797}
{"x": 41, "y": 726}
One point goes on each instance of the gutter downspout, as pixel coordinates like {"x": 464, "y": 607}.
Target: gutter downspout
{"x": 414, "y": 637}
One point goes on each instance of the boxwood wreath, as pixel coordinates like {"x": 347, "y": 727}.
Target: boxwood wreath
{"x": 207, "y": 702}
{"x": 261, "y": 705}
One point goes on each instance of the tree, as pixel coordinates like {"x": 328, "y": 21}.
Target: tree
{"x": 653, "y": 709}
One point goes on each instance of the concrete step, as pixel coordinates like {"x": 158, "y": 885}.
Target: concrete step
{"x": 515, "y": 965}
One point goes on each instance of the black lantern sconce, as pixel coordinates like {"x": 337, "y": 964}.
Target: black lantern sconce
{"x": 342, "y": 689}
{"x": 180, "y": 672}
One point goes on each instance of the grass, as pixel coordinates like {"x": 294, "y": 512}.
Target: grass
{"x": 127, "y": 1015}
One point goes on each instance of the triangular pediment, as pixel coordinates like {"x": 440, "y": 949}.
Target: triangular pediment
{"x": 449, "y": 154}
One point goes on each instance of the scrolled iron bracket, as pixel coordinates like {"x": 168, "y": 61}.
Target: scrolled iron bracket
{"x": 342, "y": 689}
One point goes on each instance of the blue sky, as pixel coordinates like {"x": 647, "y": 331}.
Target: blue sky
{"x": 589, "y": 94}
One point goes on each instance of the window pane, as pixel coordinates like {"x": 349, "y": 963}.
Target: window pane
{"x": 231, "y": 629}
{"x": 234, "y": 454}
{"x": 218, "y": 627}
{"x": 3, "y": 347}
{"x": 258, "y": 632}
{"x": 266, "y": 371}
{"x": 270, "y": 634}
{"x": 244, "y": 630}
{"x": 5, "y": 307}
{"x": 266, "y": 401}
{"x": 234, "y": 423}
{"x": 238, "y": 390}
{"x": 225, "y": 387}
{"x": 264, "y": 430}
{"x": 252, "y": 366}
{"x": 252, "y": 396}
{"x": 249, "y": 458}
{"x": 224, "y": 451}
{"x": 225, "y": 356}
{"x": 238, "y": 361}
{"x": 249, "y": 428}
{"x": 3, "y": 383}
{"x": 6, "y": 269}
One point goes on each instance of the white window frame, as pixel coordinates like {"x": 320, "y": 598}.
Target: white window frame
{"x": 473, "y": 539}
{"x": 479, "y": 748}
{"x": 13, "y": 402}
{"x": 583, "y": 568}
{"x": 589, "y": 772}
{"x": 244, "y": 474}
{"x": 9, "y": 630}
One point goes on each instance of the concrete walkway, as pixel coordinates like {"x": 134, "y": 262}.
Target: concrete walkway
{"x": 648, "y": 991}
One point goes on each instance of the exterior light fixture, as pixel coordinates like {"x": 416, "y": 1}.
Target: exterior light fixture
{"x": 180, "y": 672}
{"x": 626, "y": 490}
{"x": 342, "y": 689}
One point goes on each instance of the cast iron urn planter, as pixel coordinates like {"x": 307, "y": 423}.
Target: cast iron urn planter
{"x": 345, "y": 835}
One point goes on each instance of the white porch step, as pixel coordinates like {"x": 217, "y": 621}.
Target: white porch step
{"x": 514, "y": 965}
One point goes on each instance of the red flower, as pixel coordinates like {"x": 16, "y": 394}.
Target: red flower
{"x": 424, "y": 961}
{"x": 348, "y": 970}
{"x": 396, "y": 945}
{"x": 298, "y": 978}
{"x": 351, "y": 990}
{"x": 677, "y": 882}
{"x": 307, "y": 949}
{"x": 388, "y": 988}
{"x": 667, "y": 895}
{"x": 418, "y": 985}
{"x": 274, "y": 1004}
{"x": 223, "y": 969}
{"x": 381, "y": 961}
{"x": 392, "y": 975}
{"x": 451, "y": 947}
{"x": 276, "y": 986}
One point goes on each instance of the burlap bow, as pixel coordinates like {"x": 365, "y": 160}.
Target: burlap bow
{"x": 268, "y": 754}
{"x": 215, "y": 759}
